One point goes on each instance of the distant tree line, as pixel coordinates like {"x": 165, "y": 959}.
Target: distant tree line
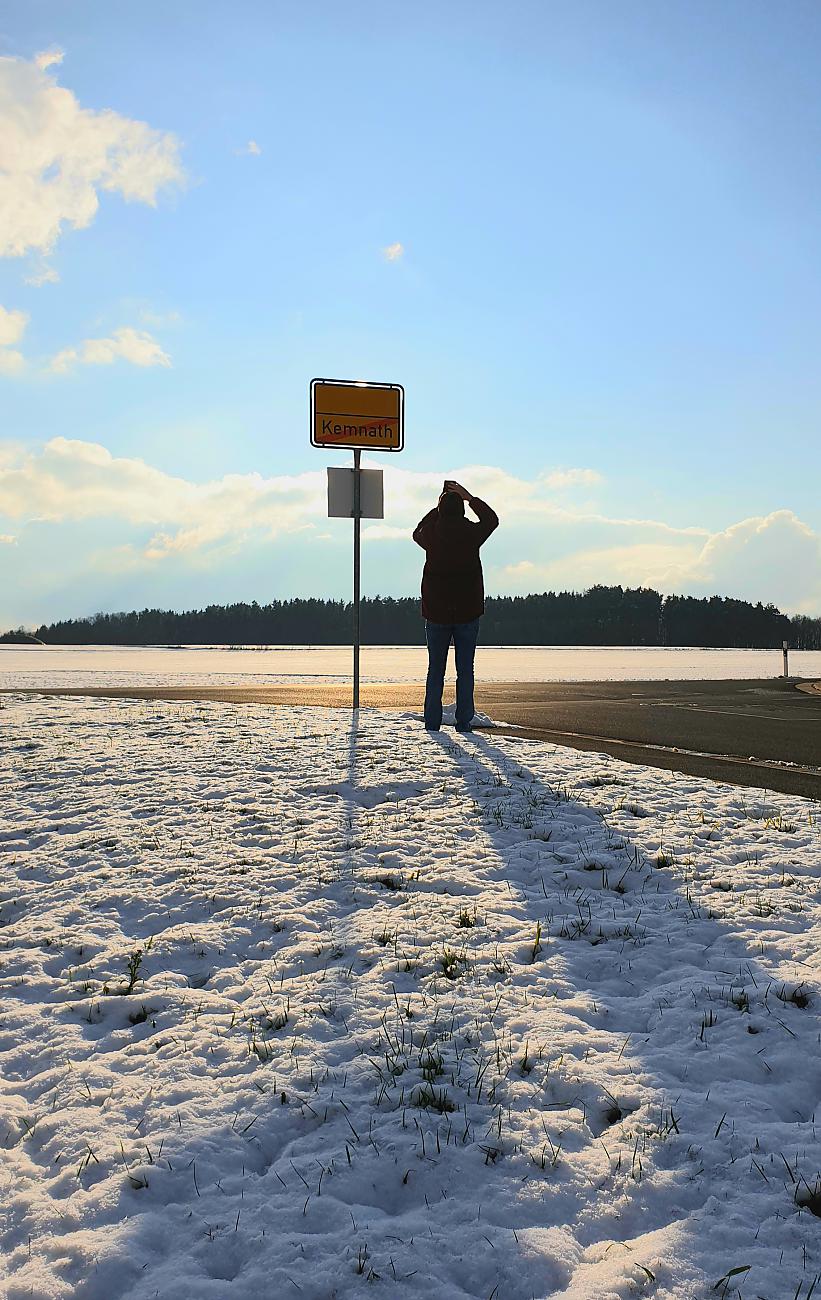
{"x": 599, "y": 616}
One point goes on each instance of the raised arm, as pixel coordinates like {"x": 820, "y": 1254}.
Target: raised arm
{"x": 488, "y": 518}
{"x": 420, "y": 532}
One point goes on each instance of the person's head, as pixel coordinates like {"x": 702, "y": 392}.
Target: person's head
{"x": 451, "y": 506}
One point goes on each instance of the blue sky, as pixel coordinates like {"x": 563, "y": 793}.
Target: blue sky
{"x": 583, "y": 235}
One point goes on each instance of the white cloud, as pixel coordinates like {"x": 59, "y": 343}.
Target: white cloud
{"x": 72, "y": 480}
{"x": 12, "y": 326}
{"x": 49, "y": 58}
{"x": 56, "y": 156}
{"x": 44, "y": 274}
{"x": 567, "y": 478}
{"x": 12, "y": 362}
{"x": 523, "y": 502}
{"x": 383, "y": 532}
{"x": 775, "y": 557}
{"x": 160, "y": 319}
{"x": 637, "y": 564}
{"x": 393, "y": 252}
{"x": 251, "y": 148}
{"x": 135, "y": 346}
{"x": 541, "y": 545}
{"x": 7, "y": 539}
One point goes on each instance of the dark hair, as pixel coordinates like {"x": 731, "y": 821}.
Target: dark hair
{"x": 452, "y": 506}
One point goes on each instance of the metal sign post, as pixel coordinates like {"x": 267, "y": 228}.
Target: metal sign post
{"x": 346, "y": 413}
{"x": 357, "y": 517}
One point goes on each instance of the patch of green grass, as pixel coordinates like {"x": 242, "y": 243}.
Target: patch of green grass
{"x": 453, "y": 964}
{"x": 429, "y": 1098}
{"x": 797, "y": 996}
{"x": 780, "y": 823}
{"x": 537, "y": 945}
{"x": 431, "y": 1065}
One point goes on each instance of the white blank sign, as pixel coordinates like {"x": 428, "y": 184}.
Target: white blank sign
{"x": 340, "y": 494}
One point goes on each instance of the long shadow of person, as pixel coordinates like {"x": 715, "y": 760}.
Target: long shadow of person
{"x": 662, "y": 1075}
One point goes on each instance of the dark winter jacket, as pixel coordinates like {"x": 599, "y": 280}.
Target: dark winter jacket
{"x": 452, "y": 585}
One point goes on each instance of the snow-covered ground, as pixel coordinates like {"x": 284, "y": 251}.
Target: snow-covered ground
{"x": 294, "y": 1006}
{"x": 74, "y": 666}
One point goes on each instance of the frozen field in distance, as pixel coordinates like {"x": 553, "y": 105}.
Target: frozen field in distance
{"x": 289, "y": 665}
{"x": 293, "y": 1006}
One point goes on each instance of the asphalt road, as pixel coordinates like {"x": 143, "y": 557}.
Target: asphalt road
{"x": 760, "y": 733}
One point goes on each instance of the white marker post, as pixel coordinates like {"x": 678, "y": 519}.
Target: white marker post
{"x": 359, "y": 415}
{"x": 785, "y": 646}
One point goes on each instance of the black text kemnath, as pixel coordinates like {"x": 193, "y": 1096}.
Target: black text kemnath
{"x": 330, "y": 430}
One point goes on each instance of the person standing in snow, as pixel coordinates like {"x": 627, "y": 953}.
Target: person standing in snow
{"x": 453, "y": 596}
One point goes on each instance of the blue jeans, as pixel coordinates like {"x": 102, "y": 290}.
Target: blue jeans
{"x": 439, "y": 637}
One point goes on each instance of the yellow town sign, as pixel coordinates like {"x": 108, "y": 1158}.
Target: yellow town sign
{"x": 348, "y": 413}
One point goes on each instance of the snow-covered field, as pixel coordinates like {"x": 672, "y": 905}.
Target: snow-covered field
{"x": 75, "y": 666}
{"x": 294, "y": 1006}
